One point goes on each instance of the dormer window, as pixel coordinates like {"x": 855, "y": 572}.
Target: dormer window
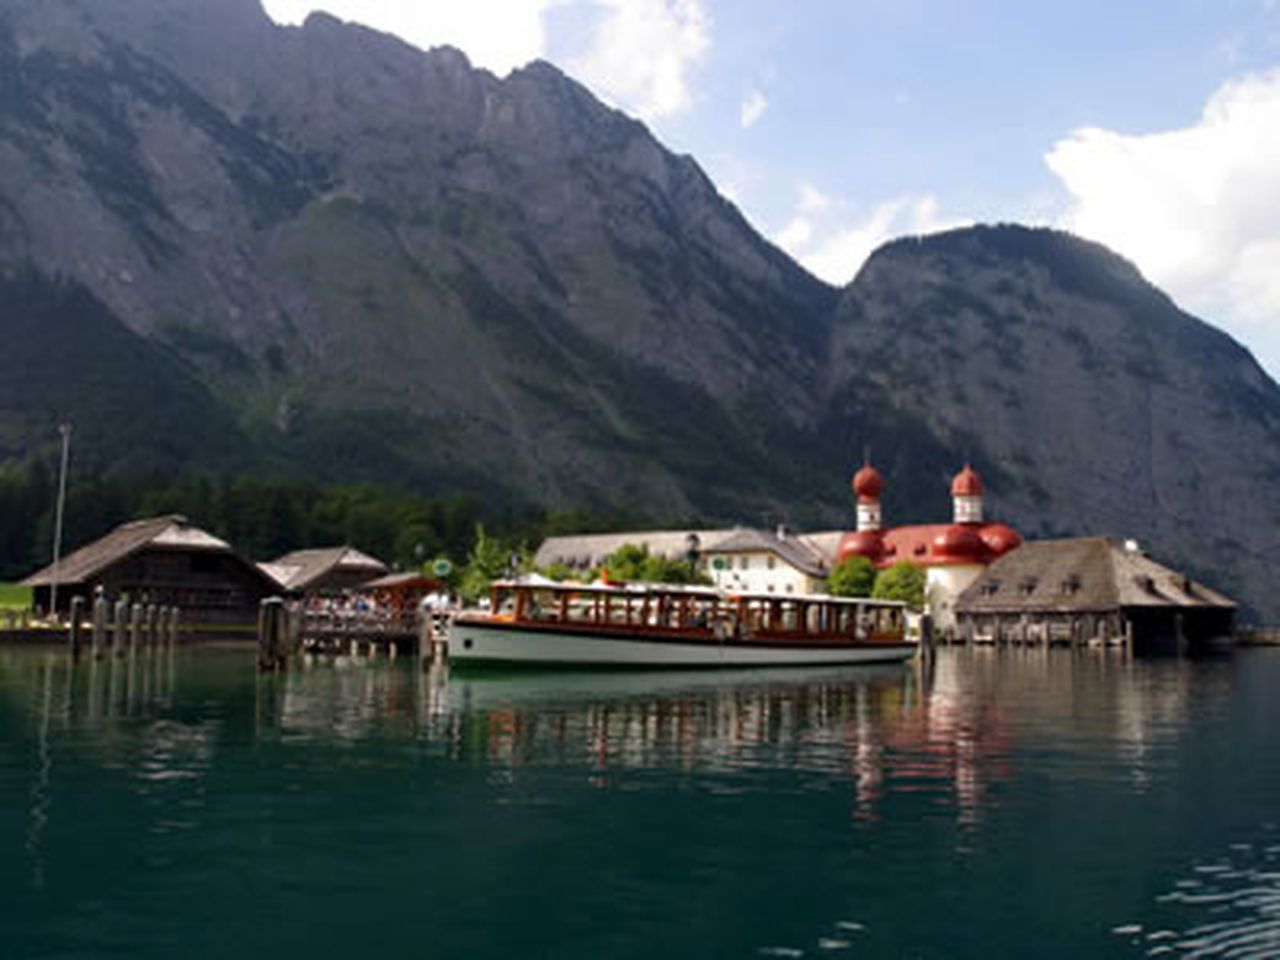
{"x": 1027, "y": 586}
{"x": 1071, "y": 585}
{"x": 991, "y": 588}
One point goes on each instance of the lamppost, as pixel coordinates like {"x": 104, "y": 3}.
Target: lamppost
{"x": 692, "y": 543}
{"x": 65, "y": 430}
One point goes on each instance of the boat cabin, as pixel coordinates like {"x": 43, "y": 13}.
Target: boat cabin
{"x": 697, "y": 612}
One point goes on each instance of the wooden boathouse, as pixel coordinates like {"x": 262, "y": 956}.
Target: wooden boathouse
{"x": 325, "y": 570}
{"x": 1089, "y": 590}
{"x": 164, "y": 561}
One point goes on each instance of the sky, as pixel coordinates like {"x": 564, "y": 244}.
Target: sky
{"x": 1152, "y": 126}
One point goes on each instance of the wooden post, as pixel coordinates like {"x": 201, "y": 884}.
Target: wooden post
{"x": 135, "y": 626}
{"x": 76, "y": 613}
{"x": 426, "y": 634}
{"x": 295, "y": 628}
{"x": 99, "y": 623}
{"x": 927, "y": 639}
{"x": 120, "y": 626}
{"x": 270, "y": 627}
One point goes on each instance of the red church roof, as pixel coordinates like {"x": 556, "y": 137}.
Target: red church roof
{"x": 867, "y": 483}
{"x": 967, "y": 483}
{"x": 932, "y": 544}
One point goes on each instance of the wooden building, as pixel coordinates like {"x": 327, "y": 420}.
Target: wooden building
{"x": 327, "y": 570}
{"x": 165, "y": 561}
{"x": 1086, "y": 590}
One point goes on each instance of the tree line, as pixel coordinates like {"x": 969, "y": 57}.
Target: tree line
{"x": 264, "y": 517}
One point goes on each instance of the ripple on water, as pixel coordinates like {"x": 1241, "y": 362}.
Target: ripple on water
{"x": 1233, "y": 909}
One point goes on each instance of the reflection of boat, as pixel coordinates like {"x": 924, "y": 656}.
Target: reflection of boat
{"x": 657, "y": 625}
{"x": 575, "y": 689}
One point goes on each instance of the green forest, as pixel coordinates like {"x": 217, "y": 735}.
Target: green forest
{"x": 265, "y": 517}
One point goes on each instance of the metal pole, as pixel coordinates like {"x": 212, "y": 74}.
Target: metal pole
{"x": 65, "y": 430}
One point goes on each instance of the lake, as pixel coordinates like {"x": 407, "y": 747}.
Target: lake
{"x": 990, "y": 803}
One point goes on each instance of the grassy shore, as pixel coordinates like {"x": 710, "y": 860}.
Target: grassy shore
{"x": 14, "y": 597}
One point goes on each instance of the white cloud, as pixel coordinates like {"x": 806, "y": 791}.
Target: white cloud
{"x": 812, "y": 200}
{"x": 1197, "y": 209}
{"x": 499, "y": 35}
{"x": 796, "y": 235}
{"x": 821, "y": 237}
{"x": 638, "y": 55}
{"x": 754, "y": 104}
{"x": 642, "y": 52}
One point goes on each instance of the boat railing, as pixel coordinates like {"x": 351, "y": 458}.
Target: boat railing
{"x": 700, "y": 612}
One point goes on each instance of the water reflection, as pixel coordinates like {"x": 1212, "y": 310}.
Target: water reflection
{"x": 947, "y": 732}
{"x": 1085, "y": 780}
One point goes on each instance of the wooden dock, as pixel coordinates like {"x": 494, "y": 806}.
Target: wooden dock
{"x": 285, "y": 630}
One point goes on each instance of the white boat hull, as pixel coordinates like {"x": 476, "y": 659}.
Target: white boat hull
{"x": 476, "y": 643}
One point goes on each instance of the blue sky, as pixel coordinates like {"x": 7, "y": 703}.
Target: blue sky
{"x": 835, "y": 125}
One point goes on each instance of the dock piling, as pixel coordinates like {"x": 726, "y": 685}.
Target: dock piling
{"x": 100, "y": 612}
{"x": 119, "y": 627}
{"x": 271, "y": 630}
{"x": 135, "y": 627}
{"x": 74, "y": 629}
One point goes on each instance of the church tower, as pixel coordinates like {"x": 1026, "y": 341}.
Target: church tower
{"x": 966, "y": 496}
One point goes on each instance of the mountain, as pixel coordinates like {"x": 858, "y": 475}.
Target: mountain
{"x": 506, "y": 283}
{"x": 1090, "y": 401}
{"x": 343, "y": 256}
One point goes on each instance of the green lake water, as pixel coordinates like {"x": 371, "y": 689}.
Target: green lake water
{"x": 988, "y": 805}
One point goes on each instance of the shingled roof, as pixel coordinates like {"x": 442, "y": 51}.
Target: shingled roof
{"x": 1084, "y": 574}
{"x": 792, "y": 550}
{"x": 589, "y": 550}
{"x": 171, "y": 531}
{"x": 301, "y": 568}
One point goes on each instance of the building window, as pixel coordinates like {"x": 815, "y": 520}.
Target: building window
{"x": 1027, "y": 586}
{"x": 744, "y": 563}
{"x": 771, "y": 562}
{"x": 791, "y": 588}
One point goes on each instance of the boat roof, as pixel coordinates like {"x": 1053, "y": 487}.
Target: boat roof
{"x": 816, "y": 598}
{"x": 638, "y": 588}
{"x": 631, "y": 587}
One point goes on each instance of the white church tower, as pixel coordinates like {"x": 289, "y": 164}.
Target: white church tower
{"x": 867, "y": 484}
{"x": 966, "y": 496}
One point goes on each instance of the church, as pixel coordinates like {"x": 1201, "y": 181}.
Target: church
{"x": 953, "y": 554}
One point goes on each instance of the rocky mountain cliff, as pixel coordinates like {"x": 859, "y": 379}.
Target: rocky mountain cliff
{"x": 1088, "y": 399}
{"x": 345, "y": 256}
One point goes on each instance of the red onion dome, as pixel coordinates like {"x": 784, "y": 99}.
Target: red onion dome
{"x": 864, "y": 543}
{"x": 867, "y": 483}
{"x": 959, "y": 542}
{"x": 1000, "y": 539}
{"x": 967, "y": 483}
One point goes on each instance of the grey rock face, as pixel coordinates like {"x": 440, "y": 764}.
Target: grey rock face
{"x": 1092, "y": 403}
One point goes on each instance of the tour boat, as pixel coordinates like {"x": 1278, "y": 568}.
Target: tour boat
{"x": 660, "y": 625}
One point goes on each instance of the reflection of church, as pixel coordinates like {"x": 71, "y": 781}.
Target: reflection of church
{"x": 953, "y": 554}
